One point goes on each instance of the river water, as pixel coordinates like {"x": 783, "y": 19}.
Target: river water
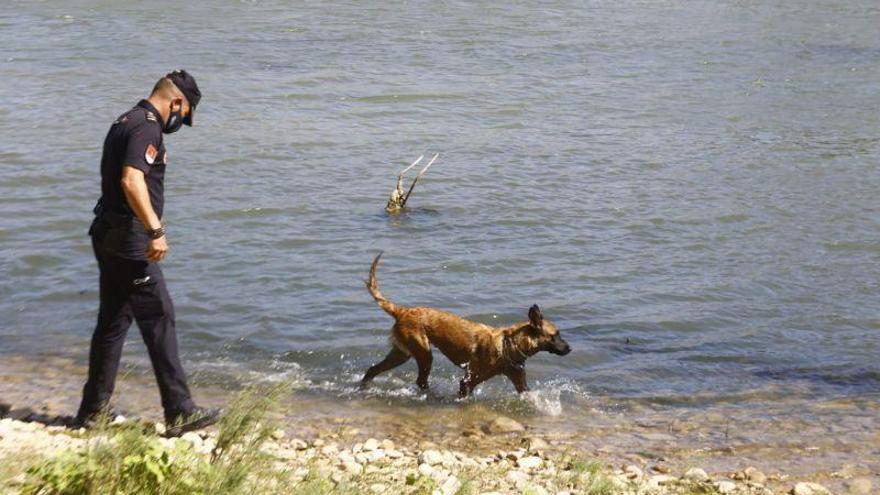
{"x": 687, "y": 188}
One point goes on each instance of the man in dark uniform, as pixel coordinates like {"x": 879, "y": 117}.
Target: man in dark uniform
{"x": 129, "y": 242}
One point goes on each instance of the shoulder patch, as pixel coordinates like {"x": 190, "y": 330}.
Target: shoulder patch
{"x": 151, "y": 117}
{"x": 150, "y": 154}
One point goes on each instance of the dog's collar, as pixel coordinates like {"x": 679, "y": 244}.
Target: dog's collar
{"x": 508, "y": 343}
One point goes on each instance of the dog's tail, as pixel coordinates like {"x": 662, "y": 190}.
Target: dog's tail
{"x": 373, "y": 286}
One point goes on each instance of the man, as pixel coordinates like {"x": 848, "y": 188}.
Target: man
{"x": 129, "y": 242}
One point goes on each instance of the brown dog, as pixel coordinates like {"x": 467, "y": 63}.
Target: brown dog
{"x": 483, "y": 351}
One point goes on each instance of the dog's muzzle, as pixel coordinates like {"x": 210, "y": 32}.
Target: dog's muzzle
{"x": 558, "y": 346}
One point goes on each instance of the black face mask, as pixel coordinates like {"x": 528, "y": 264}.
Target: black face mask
{"x": 175, "y": 120}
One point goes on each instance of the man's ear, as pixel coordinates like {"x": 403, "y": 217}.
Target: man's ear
{"x": 535, "y": 316}
{"x": 177, "y": 104}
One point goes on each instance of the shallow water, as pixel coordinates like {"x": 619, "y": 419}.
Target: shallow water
{"x": 688, "y": 189}
{"x": 790, "y": 440}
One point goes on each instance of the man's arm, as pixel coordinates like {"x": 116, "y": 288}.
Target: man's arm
{"x": 136, "y": 193}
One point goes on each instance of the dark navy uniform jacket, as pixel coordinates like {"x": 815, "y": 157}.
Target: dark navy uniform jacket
{"x": 134, "y": 139}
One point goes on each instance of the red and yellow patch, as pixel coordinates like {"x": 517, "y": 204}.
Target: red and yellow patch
{"x": 150, "y": 154}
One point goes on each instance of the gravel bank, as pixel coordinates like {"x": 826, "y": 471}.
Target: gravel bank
{"x": 374, "y": 465}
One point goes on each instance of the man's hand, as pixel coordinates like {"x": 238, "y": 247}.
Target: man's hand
{"x": 157, "y": 249}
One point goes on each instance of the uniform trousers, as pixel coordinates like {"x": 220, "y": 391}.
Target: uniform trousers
{"x": 133, "y": 290}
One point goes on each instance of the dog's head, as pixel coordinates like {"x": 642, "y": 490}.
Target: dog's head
{"x": 543, "y": 334}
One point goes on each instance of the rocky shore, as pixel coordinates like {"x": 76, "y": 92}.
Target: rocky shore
{"x": 339, "y": 461}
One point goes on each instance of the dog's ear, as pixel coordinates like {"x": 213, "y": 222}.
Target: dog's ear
{"x": 535, "y": 316}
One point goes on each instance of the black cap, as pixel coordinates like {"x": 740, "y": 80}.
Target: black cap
{"x": 187, "y": 85}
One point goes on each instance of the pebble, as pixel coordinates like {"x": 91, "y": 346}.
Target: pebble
{"x": 193, "y": 438}
{"x": 725, "y": 487}
{"x": 472, "y": 433}
{"x": 518, "y": 478}
{"x": 427, "y": 445}
{"x": 450, "y": 486}
{"x": 426, "y": 469}
{"x": 633, "y": 472}
{"x": 696, "y": 474}
{"x": 534, "y": 444}
{"x": 858, "y": 486}
{"x": 660, "y": 480}
{"x": 503, "y": 424}
{"x": 278, "y": 434}
{"x": 754, "y": 475}
{"x": 809, "y": 489}
{"x": 661, "y": 468}
{"x": 379, "y": 466}
{"x": 352, "y": 467}
{"x": 430, "y": 457}
{"x": 205, "y": 447}
{"x": 531, "y": 462}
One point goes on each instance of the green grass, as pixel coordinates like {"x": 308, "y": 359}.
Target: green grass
{"x": 588, "y": 476}
{"x": 129, "y": 460}
{"x": 12, "y": 466}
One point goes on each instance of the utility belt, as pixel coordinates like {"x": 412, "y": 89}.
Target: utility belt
{"x": 117, "y": 233}
{"x": 111, "y": 218}
{"x": 106, "y": 219}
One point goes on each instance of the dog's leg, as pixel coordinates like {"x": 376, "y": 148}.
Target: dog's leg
{"x": 518, "y": 377}
{"x": 471, "y": 379}
{"x": 395, "y": 358}
{"x": 465, "y": 387}
{"x": 424, "y": 358}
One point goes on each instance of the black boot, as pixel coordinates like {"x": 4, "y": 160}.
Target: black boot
{"x": 199, "y": 417}
{"x": 89, "y": 418}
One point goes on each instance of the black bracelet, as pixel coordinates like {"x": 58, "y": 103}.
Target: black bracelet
{"x": 156, "y": 233}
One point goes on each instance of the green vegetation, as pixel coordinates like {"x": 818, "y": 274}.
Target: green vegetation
{"x": 128, "y": 459}
{"x": 588, "y": 476}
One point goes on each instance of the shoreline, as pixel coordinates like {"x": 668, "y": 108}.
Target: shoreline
{"x": 661, "y": 443}
{"x": 338, "y": 463}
